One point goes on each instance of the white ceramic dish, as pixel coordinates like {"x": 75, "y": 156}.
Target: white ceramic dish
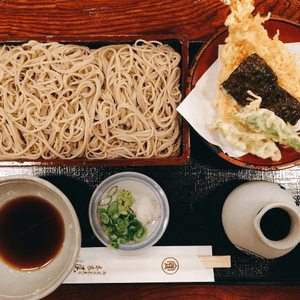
{"x": 37, "y": 284}
{"x": 136, "y": 183}
{"x": 243, "y": 211}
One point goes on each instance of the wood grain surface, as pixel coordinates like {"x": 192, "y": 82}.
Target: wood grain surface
{"x": 188, "y": 17}
{"x": 197, "y": 19}
{"x": 176, "y": 292}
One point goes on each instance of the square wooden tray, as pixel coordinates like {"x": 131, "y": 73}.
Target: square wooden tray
{"x": 179, "y": 43}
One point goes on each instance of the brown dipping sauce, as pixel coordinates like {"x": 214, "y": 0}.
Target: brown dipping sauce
{"x": 32, "y": 232}
{"x": 275, "y": 224}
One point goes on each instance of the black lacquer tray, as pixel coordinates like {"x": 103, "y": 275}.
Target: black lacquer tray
{"x": 196, "y": 192}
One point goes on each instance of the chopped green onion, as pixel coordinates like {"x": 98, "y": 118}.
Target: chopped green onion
{"x": 121, "y": 228}
{"x": 140, "y": 234}
{"x": 104, "y": 217}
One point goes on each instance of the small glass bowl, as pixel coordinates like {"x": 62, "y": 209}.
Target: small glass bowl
{"x": 140, "y": 183}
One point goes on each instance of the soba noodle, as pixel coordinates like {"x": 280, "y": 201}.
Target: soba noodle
{"x": 69, "y": 101}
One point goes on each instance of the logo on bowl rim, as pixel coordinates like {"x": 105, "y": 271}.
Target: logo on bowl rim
{"x": 170, "y": 265}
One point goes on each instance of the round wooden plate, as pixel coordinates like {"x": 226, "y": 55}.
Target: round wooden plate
{"x": 289, "y": 32}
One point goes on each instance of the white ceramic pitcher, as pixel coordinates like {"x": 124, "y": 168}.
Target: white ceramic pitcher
{"x": 243, "y": 211}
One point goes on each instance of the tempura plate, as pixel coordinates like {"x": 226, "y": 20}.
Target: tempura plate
{"x": 208, "y": 54}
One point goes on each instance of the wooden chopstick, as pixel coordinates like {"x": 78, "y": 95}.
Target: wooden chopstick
{"x": 215, "y": 261}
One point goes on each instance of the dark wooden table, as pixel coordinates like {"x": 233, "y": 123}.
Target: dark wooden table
{"x": 208, "y": 178}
